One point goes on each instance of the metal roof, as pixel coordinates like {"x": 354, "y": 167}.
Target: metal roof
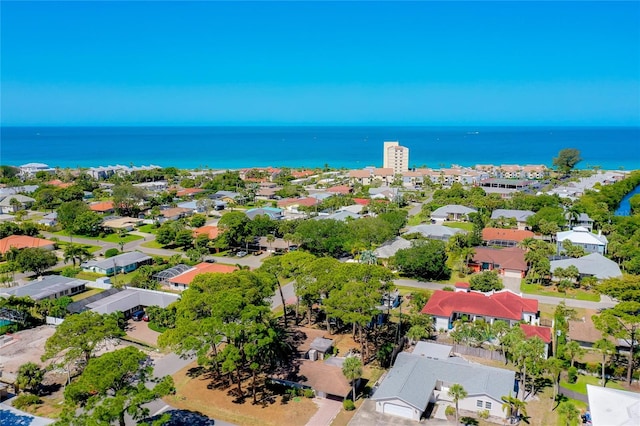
{"x": 120, "y": 260}
{"x": 46, "y": 287}
{"x": 593, "y": 264}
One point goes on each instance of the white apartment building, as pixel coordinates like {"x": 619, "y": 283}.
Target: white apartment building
{"x": 395, "y": 157}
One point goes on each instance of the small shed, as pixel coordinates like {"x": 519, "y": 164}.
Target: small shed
{"x": 321, "y": 346}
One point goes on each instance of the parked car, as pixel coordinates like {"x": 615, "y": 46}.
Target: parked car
{"x": 241, "y": 254}
{"x": 145, "y": 318}
{"x": 257, "y": 253}
{"x": 137, "y": 315}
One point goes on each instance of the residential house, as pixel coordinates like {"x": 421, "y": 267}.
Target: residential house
{"x": 127, "y": 301}
{"x": 277, "y": 245}
{"x": 188, "y": 192}
{"x": 340, "y": 190}
{"x": 390, "y": 248}
{"x": 125, "y": 262}
{"x": 183, "y": 280}
{"x": 446, "y": 307}
{"x": 29, "y": 170}
{"x": 591, "y": 265}
{"x": 320, "y": 347}
{"x": 122, "y": 223}
{"x": 48, "y": 287}
{"x": 583, "y": 331}
{"x": 15, "y": 202}
{"x": 50, "y": 219}
{"x": 362, "y": 177}
{"x": 504, "y": 237}
{"x": 520, "y": 216}
{"x": 342, "y": 215}
{"x": 582, "y": 220}
{"x": 210, "y": 231}
{"x": 507, "y": 261}
{"x": 613, "y": 407}
{"x": 293, "y": 204}
{"x": 229, "y": 197}
{"x": 451, "y": 212}
{"x": 24, "y": 241}
{"x": 194, "y": 206}
{"x": 416, "y": 381}
{"x": 543, "y": 333}
{"x": 174, "y": 213}
{"x": 13, "y": 190}
{"x": 272, "y": 212}
{"x": 104, "y": 207}
{"x": 581, "y": 237}
{"x": 434, "y": 232}
{"x": 155, "y": 186}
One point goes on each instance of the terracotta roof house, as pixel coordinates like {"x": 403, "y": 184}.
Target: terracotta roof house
{"x": 189, "y": 192}
{"x": 415, "y": 381}
{"x": 508, "y": 261}
{"x": 581, "y": 237}
{"x": 504, "y": 237}
{"x": 452, "y": 212}
{"x": 292, "y": 204}
{"x": 174, "y": 213}
{"x": 543, "y": 333}
{"x": 24, "y": 241}
{"x": 362, "y": 201}
{"x": 448, "y": 306}
{"x": 102, "y": 207}
{"x": 340, "y": 189}
{"x": 182, "y": 281}
{"x": 210, "y": 231}
{"x": 591, "y": 265}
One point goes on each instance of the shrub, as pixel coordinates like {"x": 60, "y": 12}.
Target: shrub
{"x": 483, "y": 414}
{"x": 348, "y": 405}
{"x": 450, "y": 411}
{"x": 70, "y": 271}
{"x": 25, "y": 400}
{"x": 111, "y": 252}
{"x": 308, "y": 393}
{"x": 448, "y": 288}
{"x": 572, "y": 375}
{"x": 593, "y": 367}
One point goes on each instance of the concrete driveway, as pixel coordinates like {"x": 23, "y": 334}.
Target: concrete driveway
{"x": 367, "y": 416}
{"x": 139, "y": 330}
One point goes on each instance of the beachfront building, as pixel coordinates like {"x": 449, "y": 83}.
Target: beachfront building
{"x": 581, "y": 237}
{"x": 30, "y": 169}
{"x": 395, "y": 157}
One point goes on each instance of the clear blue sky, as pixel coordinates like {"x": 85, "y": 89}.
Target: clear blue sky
{"x": 424, "y": 63}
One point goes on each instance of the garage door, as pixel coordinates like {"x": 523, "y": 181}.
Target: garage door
{"x": 398, "y": 410}
{"x": 512, "y": 273}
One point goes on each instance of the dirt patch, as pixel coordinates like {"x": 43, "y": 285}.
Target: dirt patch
{"x": 198, "y": 394}
{"x": 25, "y": 346}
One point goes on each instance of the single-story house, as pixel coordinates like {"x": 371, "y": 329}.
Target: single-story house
{"x": 125, "y": 262}
{"x": 581, "y": 237}
{"x": 451, "y": 212}
{"x": 543, "y": 333}
{"x": 277, "y": 245}
{"x": 188, "y": 192}
{"x": 8, "y": 205}
{"x": 435, "y": 232}
{"x": 105, "y": 207}
{"x": 294, "y": 204}
{"x": 125, "y": 223}
{"x": 508, "y": 261}
{"x": 183, "y": 280}
{"x": 446, "y": 307}
{"x": 415, "y": 381}
{"x": 194, "y": 206}
{"x": 390, "y": 248}
{"x": 48, "y": 287}
{"x": 130, "y": 300}
{"x": 583, "y": 220}
{"x": 13, "y": 190}
{"x": 504, "y": 237}
{"x": 24, "y": 241}
{"x": 584, "y": 332}
{"x": 341, "y": 215}
{"x": 319, "y": 348}
{"x": 210, "y": 231}
{"x": 591, "y": 265}
{"x": 340, "y": 189}
{"x": 50, "y": 219}
{"x": 229, "y": 197}
{"x": 613, "y": 407}
{"x": 272, "y": 212}
{"x": 520, "y": 216}
{"x": 174, "y": 213}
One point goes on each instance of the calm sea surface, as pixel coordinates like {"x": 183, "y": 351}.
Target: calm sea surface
{"x": 350, "y": 147}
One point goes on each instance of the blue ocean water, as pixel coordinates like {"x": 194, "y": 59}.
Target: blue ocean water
{"x": 350, "y": 147}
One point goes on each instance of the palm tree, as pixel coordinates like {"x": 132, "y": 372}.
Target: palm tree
{"x": 77, "y": 252}
{"x": 513, "y": 406}
{"x": 352, "y": 370}
{"x": 573, "y": 350}
{"x": 606, "y": 348}
{"x": 457, "y": 392}
{"x": 554, "y": 366}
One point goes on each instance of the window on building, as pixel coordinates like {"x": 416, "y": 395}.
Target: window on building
{"x": 479, "y": 403}
{"x": 487, "y": 405}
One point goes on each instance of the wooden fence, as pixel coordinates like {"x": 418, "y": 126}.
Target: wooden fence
{"x": 479, "y": 352}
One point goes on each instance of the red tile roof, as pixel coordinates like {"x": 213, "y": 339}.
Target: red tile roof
{"x": 308, "y": 202}
{"x": 302, "y": 173}
{"x": 340, "y": 189}
{"x": 188, "y": 191}
{"x": 210, "y": 231}
{"x": 503, "y": 304}
{"x": 462, "y": 285}
{"x": 362, "y": 201}
{"x": 507, "y": 258}
{"x": 531, "y": 331}
{"x": 202, "y": 268}
{"x": 22, "y": 241}
{"x": 518, "y": 235}
{"x": 59, "y": 183}
{"x": 103, "y": 206}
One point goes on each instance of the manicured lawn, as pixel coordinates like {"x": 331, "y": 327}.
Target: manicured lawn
{"x": 152, "y": 244}
{"x": 149, "y": 228}
{"x": 460, "y": 225}
{"x": 91, "y": 249}
{"x": 110, "y": 238}
{"x": 89, "y": 276}
{"x": 416, "y": 220}
{"x": 86, "y": 294}
{"x": 576, "y": 294}
{"x": 580, "y": 385}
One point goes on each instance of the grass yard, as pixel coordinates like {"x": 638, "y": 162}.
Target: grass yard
{"x": 467, "y": 226}
{"x": 580, "y": 385}
{"x": 417, "y": 220}
{"x": 90, "y": 249}
{"x": 110, "y": 238}
{"x": 197, "y": 393}
{"x": 148, "y": 228}
{"x": 152, "y": 244}
{"x": 576, "y": 294}
{"x": 89, "y": 276}
{"x": 86, "y": 294}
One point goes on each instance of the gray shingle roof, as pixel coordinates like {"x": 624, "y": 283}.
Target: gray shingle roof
{"x": 47, "y": 286}
{"x": 452, "y": 209}
{"x": 593, "y": 264}
{"x": 435, "y": 231}
{"x": 119, "y": 260}
{"x": 413, "y": 379}
{"x": 390, "y": 248}
{"x": 519, "y": 215}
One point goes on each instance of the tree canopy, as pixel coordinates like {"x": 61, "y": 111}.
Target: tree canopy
{"x": 567, "y": 159}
